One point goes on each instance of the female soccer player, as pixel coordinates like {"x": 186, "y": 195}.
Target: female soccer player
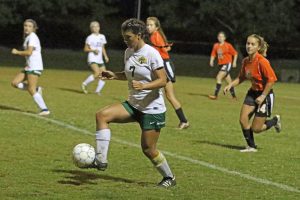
{"x": 146, "y": 76}
{"x": 95, "y": 47}
{"x": 160, "y": 43}
{"x": 260, "y": 97}
{"x": 224, "y": 51}
{"x": 28, "y": 78}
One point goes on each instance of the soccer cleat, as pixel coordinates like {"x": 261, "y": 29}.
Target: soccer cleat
{"x": 278, "y": 124}
{"x": 183, "y": 125}
{"x": 212, "y": 97}
{"x": 83, "y": 87}
{"x": 167, "y": 182}
{"x": 248, "y": 150}
{"x": 39, "y": 90}
{"x": 99, "y": 165}
{"x": 44, "y": 112}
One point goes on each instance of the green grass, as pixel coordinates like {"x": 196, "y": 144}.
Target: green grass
{"x": 36, "y": 153}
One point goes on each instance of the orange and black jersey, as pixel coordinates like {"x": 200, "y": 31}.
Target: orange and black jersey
{"x": 223, "y": 52}
{"x": 258, "y": 71}
{"x": 159, "y": 44}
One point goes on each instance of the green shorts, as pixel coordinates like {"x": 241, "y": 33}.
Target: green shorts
{"x": 35, "y": 72}
{"x": 146, "y": 121}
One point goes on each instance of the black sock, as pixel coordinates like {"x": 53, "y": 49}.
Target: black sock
{"x": 249, "y": 137}
{"x": 218, "y": 87}
{"x": 271, "y": 123}
{"x": 232, "y": 92}
{"x": 180, "y": 115}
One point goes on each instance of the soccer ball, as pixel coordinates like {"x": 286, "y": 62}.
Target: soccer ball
{"x": 83, "y": 155}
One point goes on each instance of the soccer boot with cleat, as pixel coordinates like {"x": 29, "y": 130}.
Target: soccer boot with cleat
{"x": 84, "y": 89}
{"x": 248, "y": 150}
{"x": 102, "y": 166}
{"x": 44, "y": 112}
{"x": 183, "y": 125}
{"x": 167, "y": 182}
{"x": 278, "y": 124}
{"x": 212, "y": 97}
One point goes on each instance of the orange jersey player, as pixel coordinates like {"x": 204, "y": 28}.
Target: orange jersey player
{"x": 260, "y": 97}
{"x": 159, "y": 42}
{"x": 224, "y": 52}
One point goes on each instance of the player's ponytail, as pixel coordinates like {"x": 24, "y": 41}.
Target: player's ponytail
{"x": 263, "y": 45}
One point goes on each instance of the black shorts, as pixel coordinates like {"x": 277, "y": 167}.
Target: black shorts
{"x": 265, "y": 109}
{"x": 226, "y": 68}
{"x": 170, "y": 69}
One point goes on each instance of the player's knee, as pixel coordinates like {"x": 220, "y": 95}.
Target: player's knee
{"x": 14, "y": 84}
{"x": 100, "y": 116}
{"x": 244, "y": 122}
{"x": 148, "y": 151}
{"x": 31, "y": 90}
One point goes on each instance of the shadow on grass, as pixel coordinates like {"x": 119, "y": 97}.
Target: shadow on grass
{"x": 198, "y": 94}
{"x": 227, "y": 146}
{"x": 5, "y": 107}
{"x": 78, "y": 177}
{"x": 71, "y": 90}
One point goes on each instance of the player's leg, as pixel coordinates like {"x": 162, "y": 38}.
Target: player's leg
{"x": 170, "y": 94}
{"x": 90, "y": 78}
{"x": 221, "y": 75}
{"x": 149, "y": 140}
{"x": 101, "y": 83}
{"x": 113, "y": 113}
{"x": 32, "y": 89}
{"x": 18, "y": 81}
{"x": 245, "y": 116}
{"x": 229, "y": 80}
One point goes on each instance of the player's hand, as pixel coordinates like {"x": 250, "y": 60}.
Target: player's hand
{"x": 211, "y": 64}
{"x": 106, "y": 59}
{"x": 107, "y": 75}
{"x": 260, "y": 99}
{"x": 227, "y": 88}
{"x": 137, "y": 85}
{"x": 14, "y": 51}
{"x": 234, "y": 65}
{"x": 96, "y": 51}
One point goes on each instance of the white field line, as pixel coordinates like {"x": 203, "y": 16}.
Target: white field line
{"x": 185, "y": 158}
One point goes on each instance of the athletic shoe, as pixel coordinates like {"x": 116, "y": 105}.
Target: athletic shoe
{"x": 83, "y": 87}
{"x": 44, "y": 112}
{"x": 248, "y": 150}
{"x": 167, "y": 182}
{"x": 213, "y": 97}
{"x": 278, "y": 124}
{"x": 183, "y": 125}
{"x": 40, "y": 90}
{"x": 99, "y": 165}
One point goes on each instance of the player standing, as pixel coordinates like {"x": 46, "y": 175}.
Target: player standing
{"x": 28, "y": 78}
{"x": 146, "y": 76}
{"x": 224, "y": 52}
{"x": 260, "y": 97}
{"x": 159, "y": 42}
{"x": 95, "y": 47}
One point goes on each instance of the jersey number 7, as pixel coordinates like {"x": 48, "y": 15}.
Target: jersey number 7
{"x": 132, "y": 68}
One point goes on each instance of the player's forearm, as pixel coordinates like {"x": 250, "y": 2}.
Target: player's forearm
{"x": 267, "y": 89}
{"x": 104, "y": 52}
{"x": 235, "y": 58}
{"x": 24, "y": 53}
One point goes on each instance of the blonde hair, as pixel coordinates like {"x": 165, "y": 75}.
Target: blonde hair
{"x": 263, "y": 45}
{"x": 93, "y": 23}
{"x": 159, "y": 28}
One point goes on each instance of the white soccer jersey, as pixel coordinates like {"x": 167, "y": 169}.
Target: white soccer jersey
{"x": 140, "y": 66}
{"x": 96, "y": 42}
{"x": 34, "y": 61}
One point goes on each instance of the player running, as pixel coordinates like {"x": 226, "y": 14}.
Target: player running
{"x": 28, "y": 78}
{"x": 146, "y": 76}
{"x": 224, "y": 52}
{"x": 95, "y": 47}
{"x": 260, "y": 97}
{"x": 159, "y": 42}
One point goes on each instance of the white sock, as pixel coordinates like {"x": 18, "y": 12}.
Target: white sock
{"x": 39, "y": 101}
{"x": 89, "y": 79}
{"x": 100, "y": 86}
{"x": 22, "y": 86}
{"x": 102, "y": 144}
{"x": 162, "y": 165}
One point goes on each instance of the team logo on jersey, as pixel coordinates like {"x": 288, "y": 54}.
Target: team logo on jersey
{"x": 142, "y": 60}
{"x": 248, "y": 74}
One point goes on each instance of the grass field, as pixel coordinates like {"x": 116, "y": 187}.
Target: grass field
{"x": 35, "y": 161}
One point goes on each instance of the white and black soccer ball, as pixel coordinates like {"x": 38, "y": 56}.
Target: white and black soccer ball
{"x": 83, "y": 155}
